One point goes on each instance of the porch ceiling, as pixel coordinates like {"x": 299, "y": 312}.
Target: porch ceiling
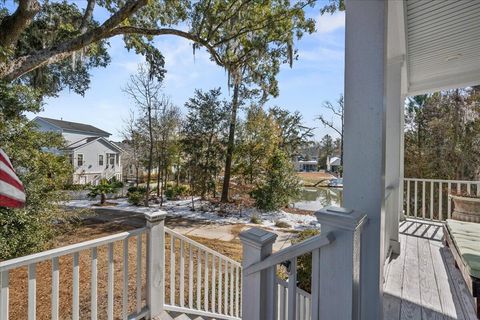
{"x": 443, "y": 44}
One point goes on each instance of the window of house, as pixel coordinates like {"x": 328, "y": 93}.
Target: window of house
{"x": 70, "y": 158}
{"x": 111, "y": 160}
{"x": 100, "y": 160}
{"x": 80, "y": 159}
{"x": 117, "y": 159}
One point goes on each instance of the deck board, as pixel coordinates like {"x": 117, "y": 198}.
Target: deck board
{"x": 422, "y": 282}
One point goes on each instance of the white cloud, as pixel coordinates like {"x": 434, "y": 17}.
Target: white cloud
{"x": 330, "y": 22}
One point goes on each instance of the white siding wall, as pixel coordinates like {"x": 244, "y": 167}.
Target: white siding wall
{"x": 91, "y": 168}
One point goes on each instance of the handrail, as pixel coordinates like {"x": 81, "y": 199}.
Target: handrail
{"x": 201, "y": 246}
{"x": 291, "y": 252}
{"x": 57, "y": 252}
{"x": 441, "y": 180}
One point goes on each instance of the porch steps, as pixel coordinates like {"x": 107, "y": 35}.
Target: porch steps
{"x": 169, "y": 315}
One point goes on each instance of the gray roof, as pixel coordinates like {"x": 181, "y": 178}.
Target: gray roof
{"x": 75, "y": 126}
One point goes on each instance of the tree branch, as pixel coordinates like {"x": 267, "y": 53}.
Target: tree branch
{"x": 12, "y": 26}
{"x": 87, "y": 17}
{"x": 18, "y": 67}
{"x": 330, "y": 125}
{"x": 170, "y": 31}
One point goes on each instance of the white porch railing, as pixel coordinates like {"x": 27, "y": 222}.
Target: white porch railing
{"x": 303, "y": 302}
{"x": 428, "y": 198}
{"x": 207, "y": 286}
{"x": 334, "y": 277}
{"x": 72, "y": 254}
{"x": 205, "y": 282}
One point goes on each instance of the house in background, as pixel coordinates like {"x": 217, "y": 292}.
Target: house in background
{"x": 92, "y": 155}
{"x": 131, "y": 168}
{"x": 333, "y": 163}
{"x": 305, "y": 163}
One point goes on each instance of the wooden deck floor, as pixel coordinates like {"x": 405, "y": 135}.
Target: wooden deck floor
{"x": 422, "y": 282}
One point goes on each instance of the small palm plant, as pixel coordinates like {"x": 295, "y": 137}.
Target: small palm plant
{"x": 102, "y": 189}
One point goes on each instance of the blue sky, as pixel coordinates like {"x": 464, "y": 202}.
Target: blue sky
{"x": 317, "y": 76}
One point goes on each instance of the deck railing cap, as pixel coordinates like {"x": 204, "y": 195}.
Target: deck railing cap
{"x": 257, "y": 237}
{"x": 155, "y": 216}
{"x": 341, "y": 217}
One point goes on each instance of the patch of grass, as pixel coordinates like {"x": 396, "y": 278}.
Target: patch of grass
{"x": 282, "y": 224}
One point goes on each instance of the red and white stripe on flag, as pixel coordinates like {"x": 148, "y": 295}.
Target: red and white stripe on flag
{"x": 12, "y": 193}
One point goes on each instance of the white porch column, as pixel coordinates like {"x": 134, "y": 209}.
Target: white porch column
{"x": 258, "y": 289}
{"x": 364, "y": 159}
{"x": 394, "y": 153}
{"x": 155, "y": 223}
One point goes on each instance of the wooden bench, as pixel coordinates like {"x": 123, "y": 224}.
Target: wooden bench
{"x": 463, "y": 238}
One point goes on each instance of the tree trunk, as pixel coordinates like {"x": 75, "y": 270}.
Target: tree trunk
{"x": 136, "y": 175}
{"x": 231, "y": 144}
{"x": 103, "y": 198}
{"x": 158, "y": 176}
{"x": 150, "y": 156}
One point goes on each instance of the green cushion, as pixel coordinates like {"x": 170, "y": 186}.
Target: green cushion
{"x": 466, "y": 236}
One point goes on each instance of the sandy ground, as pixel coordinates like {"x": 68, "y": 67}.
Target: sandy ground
{"x": 188, "y": 227}
{"x": 311, "y": 178}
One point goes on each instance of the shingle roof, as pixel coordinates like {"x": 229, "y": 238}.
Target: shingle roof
{"x": 75, "y": 126}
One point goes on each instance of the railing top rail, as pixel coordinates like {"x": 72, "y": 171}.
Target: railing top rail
{"x": 291, "y": 252}
{"x": 62, "y": 251}
{"x": 441, "y": 180}
{"x": 202, "y": 247}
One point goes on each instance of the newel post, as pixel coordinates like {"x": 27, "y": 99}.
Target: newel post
{"x": 339, "y": 279}
{"x": 155, "y": 223}
{"x": 258, "y": 289}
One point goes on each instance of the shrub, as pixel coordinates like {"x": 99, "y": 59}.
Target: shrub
{"x": 279, "y": 186}
{"x": 174, "y": 192}
{"x": 255, "y": 219}
{"x": 136, "y": 189}
{"x": 102, "y": 189}
{"x": 76, "y": 187}
{"x": 136, "y": 197}
{"x": 304, "y": 263}
{"x": 116, "y": 183}
{"x": 282, "y": 224}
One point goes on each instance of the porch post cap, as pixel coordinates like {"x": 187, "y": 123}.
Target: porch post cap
{"x": 257, "y": 237}
{"x": 341, "y": 217}
{"x": 155, "y": 216}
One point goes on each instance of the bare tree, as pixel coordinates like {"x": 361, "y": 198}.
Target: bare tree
{"x": 132, "y": 137}
{"x": 144, "y": 90}
{"x": 338, "y": 112}
{"x": 166, "y": 125}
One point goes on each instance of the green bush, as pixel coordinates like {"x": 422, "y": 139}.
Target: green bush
{"x": 136, "y": 198}
{"x": 102, "y": 189}
{"x": 76, "y": 187}
{"x": 174, "y": 192}
{"x": 282, "y": 224}
{"x": 255, "y": 219}
{"x": 136, "y": 195}
{"x": 279, "y": 186}
{"x": 136, "y": 189}
{"x": 304, "y": 263}
{"x": 116, "y": 183}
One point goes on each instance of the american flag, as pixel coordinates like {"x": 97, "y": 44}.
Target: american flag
{"x": 12, "y": 193}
